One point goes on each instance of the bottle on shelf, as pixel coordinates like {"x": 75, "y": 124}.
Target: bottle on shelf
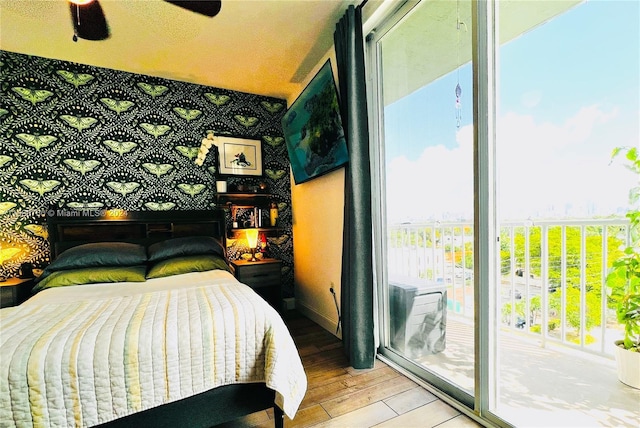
{"x": 273, "y": 214}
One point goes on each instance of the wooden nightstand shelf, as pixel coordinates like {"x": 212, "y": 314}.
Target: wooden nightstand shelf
{"x": 263, "y": 276}
{"x": 14, "y": 291}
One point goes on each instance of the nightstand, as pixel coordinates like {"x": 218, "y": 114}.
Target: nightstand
{"x": 263, "y": 276}
{"x": 14, "y": 291}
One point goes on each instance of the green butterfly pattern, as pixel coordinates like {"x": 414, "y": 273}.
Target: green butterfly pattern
{"x": 190, "y": 152}
{"x": 36, "y": 141}
{"x": 157, "y": 169}
{"x": 37, "y": 230}
{"x": 85, "y": 205}
{"x": 40, "y": 186}
{"x": 153, "y": 90}
{"x": 279, "y": 240}
{"x": 272, "y": 107}
{"x": 275, "y": 175}
{"x": 187, "y": 114}
{"x": 160, "y": 206}
{"x": 273, "y": 141}
{"x": 4, "y": 159}
{"x": 119, "y": 106}
{"x": 124, "y": 188}
{"x": 217, "y": 99}
{"x": 5, "y": 207}
{"x": 192, "y": 189}
{"x": 155, "y": 130}
{"x": 82, "y": 166}
{"x": 32, "y": 95}
{"x": 76, "y": 79}
{"x": 246, "y": 121}
{"x": 79, "y": 122}
{"x": 120, "y": 147}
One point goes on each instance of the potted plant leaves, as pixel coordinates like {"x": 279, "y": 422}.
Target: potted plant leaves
{"x": 623, "y": 284}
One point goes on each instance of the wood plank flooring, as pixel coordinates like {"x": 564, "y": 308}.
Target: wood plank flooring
{"x": 340, "y": 396}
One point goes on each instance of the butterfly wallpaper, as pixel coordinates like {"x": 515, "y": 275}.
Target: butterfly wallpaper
{"x": 78, "y": 136}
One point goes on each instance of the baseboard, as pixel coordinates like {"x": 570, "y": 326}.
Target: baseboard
{"x": 324, "y": 322}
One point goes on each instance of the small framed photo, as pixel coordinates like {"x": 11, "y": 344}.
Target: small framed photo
{"x": 240, "y": 156}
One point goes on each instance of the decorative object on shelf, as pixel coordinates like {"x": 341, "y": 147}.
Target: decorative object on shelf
{"x": 313, "y": 129}
{"x": 240, "y": 156}
{"x": 205, "y": 146}
{"x": 252, "y": 240}
{"x": 273, "y": 214}
{"x": 234, "y": 216}
{"x": 263, "y": 242}
{"x": 221, "y": 186}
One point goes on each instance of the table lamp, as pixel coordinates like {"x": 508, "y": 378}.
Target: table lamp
{"x": 252, "y": 240}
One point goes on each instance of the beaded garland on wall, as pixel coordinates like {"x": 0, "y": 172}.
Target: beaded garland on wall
{"x": 78, "y": 136}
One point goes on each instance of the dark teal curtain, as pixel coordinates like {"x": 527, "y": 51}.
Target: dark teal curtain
{"x": 357, "y": 254}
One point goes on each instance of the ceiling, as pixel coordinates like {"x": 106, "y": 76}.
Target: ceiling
{"x": 265, "y": 47}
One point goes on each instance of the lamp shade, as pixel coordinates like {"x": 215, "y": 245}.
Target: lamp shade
{"x": 252, "y": 238}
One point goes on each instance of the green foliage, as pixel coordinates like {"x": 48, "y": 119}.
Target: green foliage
{"x": 623, "y": 279}
{"x": 593, "y": 312}
{"x": 323, "y": 126}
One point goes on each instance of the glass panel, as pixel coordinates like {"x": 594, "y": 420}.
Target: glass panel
{"x": 428, "y": 170}
{"x": 568, "y": 95}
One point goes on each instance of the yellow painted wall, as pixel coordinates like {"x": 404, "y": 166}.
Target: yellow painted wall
{"x": 318, "y": 210}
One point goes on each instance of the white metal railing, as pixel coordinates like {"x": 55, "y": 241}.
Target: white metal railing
{"x": 552, "y": 274}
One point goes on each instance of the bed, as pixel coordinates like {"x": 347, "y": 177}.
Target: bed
{"x": 138, "y": 322}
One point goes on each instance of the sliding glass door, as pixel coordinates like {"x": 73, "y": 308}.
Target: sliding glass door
{"x": 499, "y": 208}
{"x": 425, "y": 99}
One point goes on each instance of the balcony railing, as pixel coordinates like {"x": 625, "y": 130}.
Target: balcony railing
{"x": 552, "y": 273}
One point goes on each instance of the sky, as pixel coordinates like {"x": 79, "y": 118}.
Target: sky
{"x": 568, "y": 94}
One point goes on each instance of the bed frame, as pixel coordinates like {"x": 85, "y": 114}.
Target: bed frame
{"x": 68, "y": 228}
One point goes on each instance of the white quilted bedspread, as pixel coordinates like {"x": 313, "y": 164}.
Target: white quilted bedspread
{"x": 84, "y": 355}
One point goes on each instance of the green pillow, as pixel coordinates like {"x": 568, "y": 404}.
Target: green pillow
{"x": 92, "y": 275}
{"x": 186, "y": 264}
{"x": 184, "y": 246}
{"x": 98, "y": 254}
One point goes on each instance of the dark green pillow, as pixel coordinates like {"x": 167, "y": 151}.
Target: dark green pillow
{"x": 186, "y": 264}
{"x": 185, "y": 246}
{"x": 92, "y": 275}
{"x": 97, "y": 254}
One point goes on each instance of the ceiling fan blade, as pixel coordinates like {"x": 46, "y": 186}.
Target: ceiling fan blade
{"x": 204, "y": 7}
{"x": 89, "y": 21}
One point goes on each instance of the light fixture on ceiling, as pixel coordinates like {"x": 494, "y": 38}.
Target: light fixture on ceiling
{"x": 88, "y": 20}
{"x": 208, "y": 8}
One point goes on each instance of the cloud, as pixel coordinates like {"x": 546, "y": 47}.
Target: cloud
{"x": 544, "y": 170}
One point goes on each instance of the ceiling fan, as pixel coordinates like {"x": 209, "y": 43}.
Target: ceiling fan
{"x": 90, "y": 23}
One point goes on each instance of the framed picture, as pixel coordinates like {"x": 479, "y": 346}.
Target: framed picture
{"x": 313, "y": 129}
{"x": 240, "y": 156}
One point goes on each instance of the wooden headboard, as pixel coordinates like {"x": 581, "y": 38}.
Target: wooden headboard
{"x": 68, "y": 228}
